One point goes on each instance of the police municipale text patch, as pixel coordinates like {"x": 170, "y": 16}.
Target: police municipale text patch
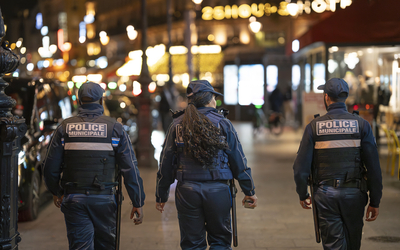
{"x": 87, "y": 129}
{"x": 337, "y": 127}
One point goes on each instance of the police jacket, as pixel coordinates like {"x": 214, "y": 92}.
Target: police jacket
{"x": 71, "y": 150}
{"x": 236, "y": 160}
{"x": 347, "y": 142}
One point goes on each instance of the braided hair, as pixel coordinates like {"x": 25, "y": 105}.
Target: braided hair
{"x": 202, "y": 138}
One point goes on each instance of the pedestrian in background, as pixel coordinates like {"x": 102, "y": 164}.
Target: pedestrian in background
{"x": 85, "y": 150}
{"x": 340, "y": 150}
{"x": 202, "y": 151}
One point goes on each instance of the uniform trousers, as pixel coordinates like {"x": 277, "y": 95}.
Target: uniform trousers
{"x": 204, "y": 213}
{"x": 90, "y": 221}
{"x": 340, "y": 213}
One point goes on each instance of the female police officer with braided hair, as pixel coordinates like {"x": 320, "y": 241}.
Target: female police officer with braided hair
{"x": 202, "y": 151}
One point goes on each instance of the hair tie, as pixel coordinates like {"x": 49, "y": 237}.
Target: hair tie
{"x": 191, "y": 103}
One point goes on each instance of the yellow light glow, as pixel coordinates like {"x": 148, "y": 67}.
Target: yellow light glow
{"x": 210, "y": 37}
{"x": 130, "y": 68}
{"x": 244, "y": 37}
{"x": 95, "y": 78}
{"x": 90, "y": 8}
{"x": 318, "y": 6}
{"x": 178, "y": 50}
{"x": 104, "y": 40}
{"x": 135, "y": 54}
{"x": 67, "y": 46}
{"x": 255, "y": 26}
{"x": 53, "y": 48}
{"x": 79, "y": 78}
{"x": 90, "y": 31}
{"x": 137, "y": 88}
{"x": 93, "y": 49}
{"x": 185, "y": 80}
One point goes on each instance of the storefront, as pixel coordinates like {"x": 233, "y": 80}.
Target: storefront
{"x": 361, "y": 45}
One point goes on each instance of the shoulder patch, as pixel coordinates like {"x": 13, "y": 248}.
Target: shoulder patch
{"x": 337, "y": 127}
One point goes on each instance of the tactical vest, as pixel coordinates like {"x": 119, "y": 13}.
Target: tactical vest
{"x": 337, "y": 150}
{"x": 89, "y": 158}
{"x": 189, "y": 169}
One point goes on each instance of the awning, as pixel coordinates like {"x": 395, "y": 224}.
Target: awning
{"x": 364, "y": 22}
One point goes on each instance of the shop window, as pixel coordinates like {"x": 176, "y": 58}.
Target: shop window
{"x": 296, "y": 76}
{"x": 231, "y": 84}
{"x": 307, "y": 78}
{"x": 272, "y": 77}
{"x": 318, "y": 76}
{"x": 251, "y": 84}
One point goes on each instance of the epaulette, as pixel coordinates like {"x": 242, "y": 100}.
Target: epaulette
{"x": 316, "y": 115}
{"x": 176, "y": 113}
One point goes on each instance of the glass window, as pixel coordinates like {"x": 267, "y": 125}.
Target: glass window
{"x": 318, "y": 76}
{"x": 231, "y": 84}
{"x": 272, "y": 77}
{"x": 296, "y": 76}
{"x": 251, "y": 84}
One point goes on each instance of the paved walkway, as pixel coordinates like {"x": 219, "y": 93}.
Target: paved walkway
{"x": 278, "y": 223}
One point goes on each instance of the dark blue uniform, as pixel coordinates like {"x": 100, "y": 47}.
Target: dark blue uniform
{"x": 342, "y": 149}
{"x": 91, "y": 216}
{"x": 203, "y": 200}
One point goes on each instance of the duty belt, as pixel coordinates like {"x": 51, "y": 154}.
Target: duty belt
{"x": 340, "y": 183}
{"x": 88, "y": 191}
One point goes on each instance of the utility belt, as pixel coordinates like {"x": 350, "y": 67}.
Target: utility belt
{"x": 340, "y": 183}
{"x": 88, "y": 191}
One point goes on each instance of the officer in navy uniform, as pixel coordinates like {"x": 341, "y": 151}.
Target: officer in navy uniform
{"x": 80, "y": 171}
{"x": 340, "y": 149}
{"x": 202, "y": 151}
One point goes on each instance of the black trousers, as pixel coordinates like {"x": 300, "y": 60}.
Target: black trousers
{"x": 90, "y": 221}
{"x": 340, "y": 213}
{"x": 204, "y": 213}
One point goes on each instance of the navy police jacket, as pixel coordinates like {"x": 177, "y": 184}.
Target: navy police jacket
{"x": 124, "y": 156}
{"x": 236, "y": 159}
{"x": 303, "y": 163}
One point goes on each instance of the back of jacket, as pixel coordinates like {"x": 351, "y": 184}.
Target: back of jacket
{"x": 337, "y": 150}
{"x": 89, "y": 158}
{"x": 190, "y": 169}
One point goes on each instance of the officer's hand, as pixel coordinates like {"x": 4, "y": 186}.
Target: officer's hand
{"x": 57, "y": 200}
{"x": 252, "y": 198}
{"x": 372, "y": 213}
{"x": 160, "y": 206}
{"x": 306, "y": 204}
{"x": 139, "y": 215}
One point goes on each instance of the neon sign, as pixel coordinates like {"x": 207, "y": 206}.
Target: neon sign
{"x": 259, "y": 10}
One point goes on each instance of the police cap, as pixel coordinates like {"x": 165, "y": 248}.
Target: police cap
{"x": 198, "y": 86}
{"x": 90, "y": 92}
{"x": 336, "y": 88}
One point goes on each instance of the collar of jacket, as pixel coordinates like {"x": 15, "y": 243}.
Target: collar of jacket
{"x": 205, "y": 110}
{"x": 337, "y": 106}
{"x": 90, "y": 109}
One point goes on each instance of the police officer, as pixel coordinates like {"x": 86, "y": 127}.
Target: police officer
{"x": 340, "y": 149}
{"x": 202, "y": 151}
{"x": 85, "y": 151}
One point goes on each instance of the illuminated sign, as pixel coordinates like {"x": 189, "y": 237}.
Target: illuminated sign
{"x": 259, "y": 10}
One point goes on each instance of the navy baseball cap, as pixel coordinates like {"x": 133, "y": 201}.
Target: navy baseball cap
{"x": 336, "y": 88}
{"x": 198, "y": 86}
{"x": 90, "y": 91}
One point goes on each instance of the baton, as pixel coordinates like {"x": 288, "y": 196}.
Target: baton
{"x": 234, "y": 222}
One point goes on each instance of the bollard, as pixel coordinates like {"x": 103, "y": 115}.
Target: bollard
{"x": 12, "y": 129}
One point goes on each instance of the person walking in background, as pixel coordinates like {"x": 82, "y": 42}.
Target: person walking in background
{"x": 85, "y": 150}
{"x": 339, "y": 150}
{"x": 202, "y": 151}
